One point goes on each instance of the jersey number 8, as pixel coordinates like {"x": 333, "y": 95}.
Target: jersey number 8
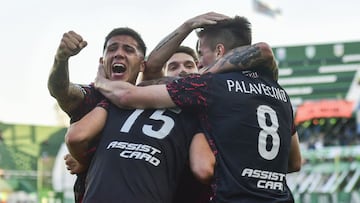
{"x": 268, "y": 130}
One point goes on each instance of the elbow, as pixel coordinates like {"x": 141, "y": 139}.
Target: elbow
{"x": 204, "y": 173}
{"x": 154, "y": 64}
{"x": 294, "y": 166}
{"x": 74, "y": 138}
{"x": 266, "y": 52}
{"x": 52, "y": 85}
{"x": 76, "y": 148}
{"x": 70, "y": 139}
{"x": 265, "y": 49}
{"x": 154, "y": 68}
{"x": 269, "y": 59}
{"x": 152, "y": 60}
{"x": 51, "y": 88}
{"x": 58, "y": 90}
{"x": 204, "y": 170}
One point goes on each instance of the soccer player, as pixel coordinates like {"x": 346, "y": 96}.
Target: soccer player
{"x": 247, "y": 115}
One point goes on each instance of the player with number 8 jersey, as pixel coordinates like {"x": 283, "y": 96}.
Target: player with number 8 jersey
{"x": 250, "y": 121}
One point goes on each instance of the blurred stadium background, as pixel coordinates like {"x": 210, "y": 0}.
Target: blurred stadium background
{"x": 323, "y": 81}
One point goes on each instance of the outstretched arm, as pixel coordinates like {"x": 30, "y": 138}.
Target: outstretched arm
{"x": 68, "y": 95}
{"x": 166, "y": 48}
{"x": 82, "y": 133}
{"x": 127, "y": 95}
{"x": 258, "y": 56}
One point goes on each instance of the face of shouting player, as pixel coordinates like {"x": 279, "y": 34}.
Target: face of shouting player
{"x": 122, "y": 59}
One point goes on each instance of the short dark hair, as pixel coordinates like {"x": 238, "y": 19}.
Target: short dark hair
{"x": 187, "y": 50}
{"x": 129, "y": 32}
{"x": 234, "y": 32}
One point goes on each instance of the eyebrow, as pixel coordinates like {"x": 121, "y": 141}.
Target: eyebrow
{"x": 137, "y": 50}
{"x": 173, "y": 63}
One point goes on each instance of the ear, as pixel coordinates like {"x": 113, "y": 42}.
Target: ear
{"x": 142, "y": 66}
{"x": 220, "y": 50}
{"x": 101, "y": 60}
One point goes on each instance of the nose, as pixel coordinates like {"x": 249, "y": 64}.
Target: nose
{"x": 119, "y": 54}
{"x": 182, "y": 68}
{"x": 182, "y": 73}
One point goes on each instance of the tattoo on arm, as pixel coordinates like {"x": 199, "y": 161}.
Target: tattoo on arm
{"x": 59, "y": 77}
{"x": 246, "y": 59}
{"x": 166, "y": 40}
{"x": 240, "y": 59}
{"x": 252, "y": 58}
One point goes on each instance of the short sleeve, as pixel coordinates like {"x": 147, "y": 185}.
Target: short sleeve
{"x": 190, "y": 91}
{"x": 91, "y": 98}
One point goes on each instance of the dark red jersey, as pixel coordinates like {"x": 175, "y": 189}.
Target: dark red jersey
{"x": 249, "y": 123}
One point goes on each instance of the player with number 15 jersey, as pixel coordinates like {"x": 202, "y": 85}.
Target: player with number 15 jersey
{"x": 140, "y": 156}
{"x": 250, "y": 121}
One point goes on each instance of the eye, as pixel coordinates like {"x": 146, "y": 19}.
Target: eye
{"x": 172, "y": 66}
{"x": 189, "y": 65}
{"x": 112, "y": 48}
{"x": 129, "y": 49}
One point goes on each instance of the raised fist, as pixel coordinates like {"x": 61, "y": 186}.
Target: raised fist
{"x": 70, "y": 45}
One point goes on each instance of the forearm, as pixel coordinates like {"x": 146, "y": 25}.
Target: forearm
{"x": 125, "y": 95}
{"x": 257, "y": 57}
{"x": 83, "y": 132}
{"x": 114, "y": 91}
{"x": 164, "y": 50}
{"x": 295, "y": 160}
{"x": 202, "y": 159}
{"x": 58, "y": 81}
{"x": 67, "y": 94}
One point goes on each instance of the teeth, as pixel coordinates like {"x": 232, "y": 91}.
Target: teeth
{"x": 119, "y": 64}
{"x": 118, "y": 68}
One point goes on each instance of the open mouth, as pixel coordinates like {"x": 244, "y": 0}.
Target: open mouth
{"x": 118, "y": 68}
